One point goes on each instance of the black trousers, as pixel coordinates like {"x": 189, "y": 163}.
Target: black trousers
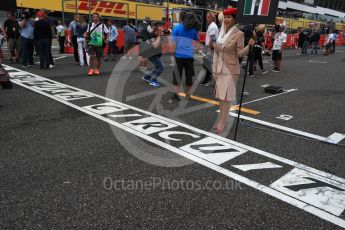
{"x": 43, "y": 49}
{"x": 51, "y": 61}
{"x": 62, "y": 44}
{"x": 75, "y": 48}
{"x": 253, "y": 58}
{"x": 186, "y": 64}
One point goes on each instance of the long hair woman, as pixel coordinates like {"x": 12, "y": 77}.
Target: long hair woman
{"x": 226, "y": 67}
{"x": 81, "y": 28}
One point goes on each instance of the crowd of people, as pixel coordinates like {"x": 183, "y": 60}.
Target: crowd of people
{"x": 226, "y": 45}
{"x": 311, "y": 39}
{"x": 26, "y": 35}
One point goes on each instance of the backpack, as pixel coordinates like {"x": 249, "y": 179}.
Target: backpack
{"x": 143, "y": 34}
{"x": 189, "y": 20}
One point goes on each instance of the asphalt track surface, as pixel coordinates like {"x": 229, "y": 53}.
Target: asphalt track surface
{"x": 57, "y": 163}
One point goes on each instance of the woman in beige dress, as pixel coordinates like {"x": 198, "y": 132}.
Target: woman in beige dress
{"x": 226, "y": 67}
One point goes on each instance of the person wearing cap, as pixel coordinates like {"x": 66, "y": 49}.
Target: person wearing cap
{"x": 42, "y": 36}
{"x": 278, "y": 46}
{"x": 229, "y": 48}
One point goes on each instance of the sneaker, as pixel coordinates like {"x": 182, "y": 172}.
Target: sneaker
{"x": 91, "y": 72}
{"x": 176, "y": 97}
{"x": 51, "y": 66}
{"x": 97, "y": 72}
{"x": 155, "y": 83}
{"x": 130, "y": 58}
{"x": 251, "y": 75}
{"x": 146, "y": 78}
{"x": 123, "y": 58}
{"x": 276, "y": 70}
{"x": 264, "y": 72}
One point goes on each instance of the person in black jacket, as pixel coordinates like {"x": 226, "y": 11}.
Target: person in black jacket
{"x": 314, "y": 40}
{"x": 42, "y": 36}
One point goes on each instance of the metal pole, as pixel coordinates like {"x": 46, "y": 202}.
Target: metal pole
{"x": 136, "y": 14}
{"x": 250, "y": 56}
{"x": 63, "y": 12}
{"x": 89, "y": 10}
{"x": 76, "y": 6}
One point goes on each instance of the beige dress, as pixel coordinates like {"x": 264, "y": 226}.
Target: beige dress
{"x": 226, "y": 66}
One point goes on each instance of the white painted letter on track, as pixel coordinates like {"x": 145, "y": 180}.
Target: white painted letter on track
{"x": 326, "y": 194}
{"x": 214, "y": 150}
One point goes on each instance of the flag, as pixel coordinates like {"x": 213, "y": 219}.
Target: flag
{"x": 257, "y": 7}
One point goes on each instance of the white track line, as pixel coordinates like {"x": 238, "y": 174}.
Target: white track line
{"x": 290, "y": 130}
{"x": 264, "y": 98}
{"x": 55, "y": 58}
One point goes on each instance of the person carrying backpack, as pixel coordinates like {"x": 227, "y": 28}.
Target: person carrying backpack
{"x": 96, "y": 35}
{"x": 145, "y": 33}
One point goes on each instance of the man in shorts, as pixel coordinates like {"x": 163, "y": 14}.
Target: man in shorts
{"x": 12, "y": 34}
{"x": 278, "y": 46}
{"x": 97, "y": 34}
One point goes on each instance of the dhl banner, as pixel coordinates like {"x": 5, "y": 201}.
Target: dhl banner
{"x": 110, "y": 8}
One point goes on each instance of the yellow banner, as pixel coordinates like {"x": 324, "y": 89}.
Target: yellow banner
{"x": 118, "y": 8}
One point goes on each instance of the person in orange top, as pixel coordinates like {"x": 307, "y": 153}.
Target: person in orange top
{"x": 229, "y": 48}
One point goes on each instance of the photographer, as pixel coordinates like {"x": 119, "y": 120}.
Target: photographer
{"x": 26, "y": 24}
{"x": 154, "y": 53}
{"x": 12, "y": 35}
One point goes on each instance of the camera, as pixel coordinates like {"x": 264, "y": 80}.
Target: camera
{"x": 26, "y": 15}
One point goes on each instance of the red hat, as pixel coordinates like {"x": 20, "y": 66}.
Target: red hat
{"x": 230, "y": 11}
{"x": 40, "y": 14}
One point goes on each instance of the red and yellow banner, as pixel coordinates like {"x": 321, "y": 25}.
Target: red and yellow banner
{"x": 111, "y": 8}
